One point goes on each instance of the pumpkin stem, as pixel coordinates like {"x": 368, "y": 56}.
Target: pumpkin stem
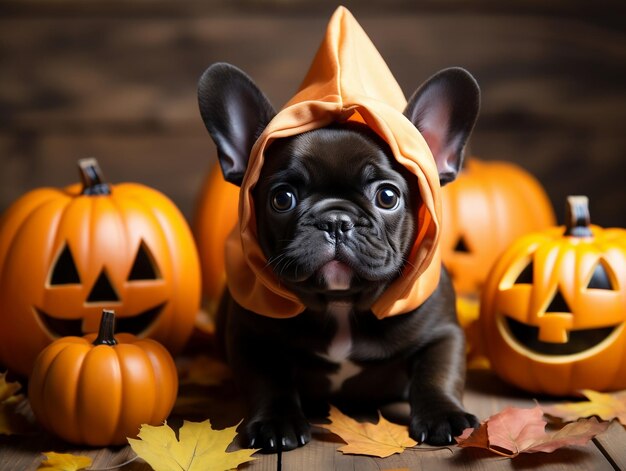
{"x": 107, "y": 328}
{"x": 577, "y": 216}
{"x": 91, "y": 176}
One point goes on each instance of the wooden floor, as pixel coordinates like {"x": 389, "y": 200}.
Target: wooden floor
{"x": 485, "y": 395}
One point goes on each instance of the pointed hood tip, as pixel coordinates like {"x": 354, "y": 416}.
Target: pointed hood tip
{"x": 348, "y": 69}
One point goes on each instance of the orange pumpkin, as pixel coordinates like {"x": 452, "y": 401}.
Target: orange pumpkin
{"x": 486, "y": 208}
{"x": 216, "y": 216}
{"x": 99, "y": 390}
{"x": 553, "y": 308}
{"x": 65, "y": 254}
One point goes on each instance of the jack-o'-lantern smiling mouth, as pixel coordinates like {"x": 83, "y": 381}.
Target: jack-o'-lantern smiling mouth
{"x": 580, "y": 342}
{"x": 65, "y": 273}
{"x": 137, "y": 325}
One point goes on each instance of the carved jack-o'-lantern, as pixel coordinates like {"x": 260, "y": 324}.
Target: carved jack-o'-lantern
{"x": 65, "y": 254}
{"x": 554, "y": 307}
{"x": 486, "y": 208}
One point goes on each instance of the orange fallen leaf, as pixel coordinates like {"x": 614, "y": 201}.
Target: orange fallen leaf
{"x": 575, "y": 433}
{"x": 363, "y": 438}
{"x": 64, "y": 462}
{"x": 514, "y": 431}
{"x": 205, "y": 371}
{"x": 605, "y": 406}
{"x": 11, "y": 421}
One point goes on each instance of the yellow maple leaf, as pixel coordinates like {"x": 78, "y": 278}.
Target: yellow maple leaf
{"x": 64, "y": 462}
{"x": 199, "y": 448}
{"x": 11, "y": 421}
{"x": 605, "y": 406}
{"x": 363, "y": 438}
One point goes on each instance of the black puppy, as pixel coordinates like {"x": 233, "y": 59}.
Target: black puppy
{"x": 336, "y": 217}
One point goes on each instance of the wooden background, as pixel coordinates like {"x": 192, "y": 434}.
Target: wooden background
{"x": 117, "y": 80}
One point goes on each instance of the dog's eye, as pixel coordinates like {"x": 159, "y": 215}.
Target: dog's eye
{"x": 387, "y": 198}
{"x": 283, "y": 200}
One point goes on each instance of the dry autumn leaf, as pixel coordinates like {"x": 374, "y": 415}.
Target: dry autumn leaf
{"x": 11, "y": 421}
{"x": 382, "y": 439}
{"x": 605, "y": 406}
{"x": 514, "y": 431}
{"x": 199, "y": 448}
{"x": 205, "y": 371}
{"x": 64, "y": 462}
{"x": 7, "y": 390}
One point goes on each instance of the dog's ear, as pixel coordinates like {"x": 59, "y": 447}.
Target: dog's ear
{"x": 444, "y": 110}
{"x": 235, "y": 112}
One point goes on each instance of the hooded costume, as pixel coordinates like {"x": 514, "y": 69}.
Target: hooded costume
{"x": 347, "y": 81}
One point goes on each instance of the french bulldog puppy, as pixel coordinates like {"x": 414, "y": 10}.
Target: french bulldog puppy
{"x": 336, "y": 218}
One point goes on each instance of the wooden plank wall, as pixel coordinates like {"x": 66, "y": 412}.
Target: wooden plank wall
{"x": 117, "y": 80}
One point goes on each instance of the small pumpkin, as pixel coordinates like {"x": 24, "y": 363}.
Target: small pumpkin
{"x": 65, "y": 254}
{"x": 553, "y": 310}
{"x": 99, "y": 390}
{"x": 485, "y": 209}
{"x": 216, "y": 216}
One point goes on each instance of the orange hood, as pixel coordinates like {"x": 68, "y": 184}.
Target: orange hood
{"x": 348, "y": 80}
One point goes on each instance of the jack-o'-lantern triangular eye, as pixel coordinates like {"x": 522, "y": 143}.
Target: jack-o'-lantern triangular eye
{"x": 526, "y": 276}
{"x": 600, "y": 278}
{"x": 64, "y": 271}
{"x": 144, "y": 267}
{"x": 461, "y": 246}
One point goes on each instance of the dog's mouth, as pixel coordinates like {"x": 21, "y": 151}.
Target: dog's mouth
{"x": 579, "y": 341}
{"x": 136, "y": 325}
{"x": 335, "y": 276}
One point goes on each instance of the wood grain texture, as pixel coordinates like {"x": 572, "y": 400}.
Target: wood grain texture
{"x": 76, "y": 82}
{"x": 485, "y": 395}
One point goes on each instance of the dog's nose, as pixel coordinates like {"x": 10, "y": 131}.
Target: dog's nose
{"x": 336, "y": 224}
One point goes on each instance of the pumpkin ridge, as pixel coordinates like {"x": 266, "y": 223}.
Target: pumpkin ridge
{"x": 104, "y": 384}
{"x": 192, "y": 264}
{"x": 54, "y": 222}
{"x": 64, "y": 411}
{"x": 36, "y": 397}
{"x": 24, "y": 209}
{"x": 109, "y": 204}
{"x": 8, "y": 347}
{"x": 165, "y": 241}
{"x": 131, "y": 384}
{"x": 164, "y": 402}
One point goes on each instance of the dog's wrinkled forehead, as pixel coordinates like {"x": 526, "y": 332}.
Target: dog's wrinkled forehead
{"x": 332, "y": 157}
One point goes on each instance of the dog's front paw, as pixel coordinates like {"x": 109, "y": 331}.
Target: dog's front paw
{"x": 439, "y": 425}
{"x": 272, "y": 434}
